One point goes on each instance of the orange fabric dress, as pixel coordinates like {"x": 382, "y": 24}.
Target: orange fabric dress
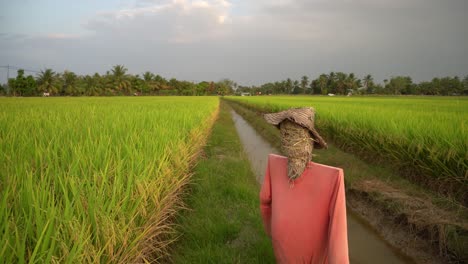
{"x": 306, "y": 219}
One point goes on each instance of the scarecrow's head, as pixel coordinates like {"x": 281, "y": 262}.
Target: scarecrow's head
{"x": 298, "y": 137}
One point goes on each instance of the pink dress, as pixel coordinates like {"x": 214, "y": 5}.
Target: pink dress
{"x": 306, "y": 219}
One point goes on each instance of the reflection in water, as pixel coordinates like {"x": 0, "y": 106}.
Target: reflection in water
{"x": 255, "y": 146}
{"x": 364, "y": 245}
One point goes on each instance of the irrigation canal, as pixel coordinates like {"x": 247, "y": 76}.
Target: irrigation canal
{"x": 365, "y": 246}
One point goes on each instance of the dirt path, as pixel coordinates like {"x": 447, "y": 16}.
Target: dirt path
{"x": 223, "y": 222}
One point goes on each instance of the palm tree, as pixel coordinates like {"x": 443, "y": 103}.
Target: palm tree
{"x": 288, "y": 86}
{"x": 90, "y": 84}
{"x": 148, "y": 82}
{"x": 70, "y": 83}
{"x": 47, "y": 81}
{"x": 119, "y": 79}
{"x": 351, "y": 83}
{"x": 341, "y": 81}
{"x": 331, "y": 82}
{"x": 153, "y": 83}
{"x": 465, "y": 83}
{"x": 277, "y": 87}
{"x": 367, "y": 80}
{"x": 322, "y": 82}
{"x": 368, "y": 83}
{"x": 304, "y": 83}
{"x": 296, "y": 87}
{"x": 148, "y": 76}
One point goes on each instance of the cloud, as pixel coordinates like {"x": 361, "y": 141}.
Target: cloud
{"x": 63, "y": 36}
{"x": 179, "y": 21}
{"x": 258, "y": 41}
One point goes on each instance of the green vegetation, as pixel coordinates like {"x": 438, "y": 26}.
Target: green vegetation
{"x": 117, "y": 81}
{"x": 224, "y": 223}
{"x": 426, "y": 138}
{"x": 87, "y": 180}
{"x": 343, "y": 83}
{"x": 379, "y": 194}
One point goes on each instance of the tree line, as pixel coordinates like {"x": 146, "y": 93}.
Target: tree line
{"x": 118, "y": 82}
{"x": 115, "y": 82}
{"x": 343, "y": 84}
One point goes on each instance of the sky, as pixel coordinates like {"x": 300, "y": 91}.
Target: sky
{"x": 251, "y": 42}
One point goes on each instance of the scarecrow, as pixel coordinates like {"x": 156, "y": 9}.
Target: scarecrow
{"x": 303, "y": 203}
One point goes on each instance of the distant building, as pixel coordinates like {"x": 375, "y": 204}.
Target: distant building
{"x": 245, "y": 94}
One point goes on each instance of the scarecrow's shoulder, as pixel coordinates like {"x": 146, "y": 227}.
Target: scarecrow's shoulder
{"x": 338, "y": 170}
{"x": 276, "y": 157}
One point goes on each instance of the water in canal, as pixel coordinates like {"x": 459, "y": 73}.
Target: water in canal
{"x": 365, "y": 246}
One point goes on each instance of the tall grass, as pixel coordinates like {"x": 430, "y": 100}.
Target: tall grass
{"x": 94, "y": 179}
{"x": 426, "y": 137}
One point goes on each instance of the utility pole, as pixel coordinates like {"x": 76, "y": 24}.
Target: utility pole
{"x": 8, "y": 67}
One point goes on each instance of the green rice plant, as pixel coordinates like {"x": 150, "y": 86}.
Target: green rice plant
{"x": 425, "y": 137}
{"x": 95, "y": 180}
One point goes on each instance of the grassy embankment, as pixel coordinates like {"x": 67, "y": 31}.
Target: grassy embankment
{"x": 224, "y": 223}
{"x": 95, "y": 180}
{"x": 421, "y": 213}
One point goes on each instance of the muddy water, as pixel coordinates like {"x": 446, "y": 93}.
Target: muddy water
{"x": 365, "y": 246}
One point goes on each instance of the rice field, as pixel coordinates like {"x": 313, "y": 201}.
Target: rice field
{"x": 95, "y": 179}
{"x": 426, "y": 137}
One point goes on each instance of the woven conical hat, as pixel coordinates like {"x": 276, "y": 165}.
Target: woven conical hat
{"x": 302, "y": 116}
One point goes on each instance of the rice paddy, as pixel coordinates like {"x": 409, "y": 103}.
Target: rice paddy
{"x": 99, "y": 179}
{"x": 95, "y": 179}
{"x": 427, "y": 138}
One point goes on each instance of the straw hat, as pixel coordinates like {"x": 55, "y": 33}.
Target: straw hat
{"x": 304, "y": 117}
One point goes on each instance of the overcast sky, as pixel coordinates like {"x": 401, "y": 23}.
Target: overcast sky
{"x": 251, "y": 42}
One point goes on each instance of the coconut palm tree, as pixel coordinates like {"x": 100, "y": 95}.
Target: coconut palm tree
{"x": 367, "y": 80}
{"x": 119, "y": 79}
{"x": 322, "y": 82}
{"x": 296, "y": 87}
{"x": 151, "y": 82}
{"x": 304, "y": 83}
{"x": 70, "y": 83}
{"x": 91, "y": 85}
{"x": 47, "y": 81}
{"x": 352, "y": 83}
{"x": 331, "y": 83}
{"x": 368, "y": 83}
{"x": 148, "y": 76}
{"x": 289, "y": 86}
{"x": 340, "y": 81}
